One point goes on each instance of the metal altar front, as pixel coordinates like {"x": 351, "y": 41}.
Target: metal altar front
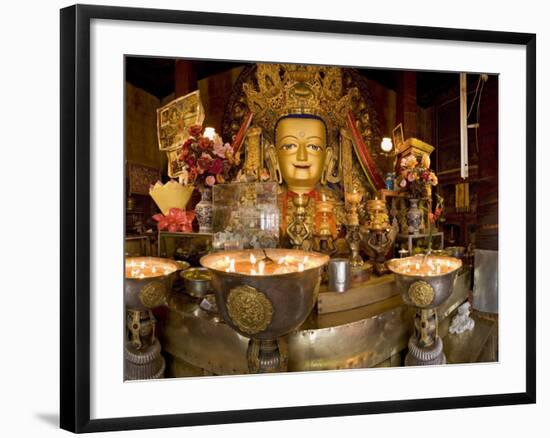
{"x": 367, "y": 336}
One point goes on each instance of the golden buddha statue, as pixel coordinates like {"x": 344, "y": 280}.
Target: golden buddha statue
{"x": 298, "y": 114}
{"x": 301, "y": 147}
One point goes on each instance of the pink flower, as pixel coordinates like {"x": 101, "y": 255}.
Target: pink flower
{"x": 411, "y": 177}
{"x": 210, "y": 180}
{"x": 409, "y": 162}
{"x": 403, "y": 183}
{"x": 222, "y": 150}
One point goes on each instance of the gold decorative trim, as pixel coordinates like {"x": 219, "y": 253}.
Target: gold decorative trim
{"x": 152, "y": 294}
{"x": 421, "y": 293}
{"x": 249, "y": 309}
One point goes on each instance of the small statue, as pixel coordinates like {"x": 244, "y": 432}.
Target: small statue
{"x": 462, "y": 322}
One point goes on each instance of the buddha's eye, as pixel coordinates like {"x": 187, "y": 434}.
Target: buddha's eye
{"x": 288, "y": 146}
{"x": 314, "y": 147}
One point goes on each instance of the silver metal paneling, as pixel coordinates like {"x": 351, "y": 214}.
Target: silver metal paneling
{"x": 486, "y": 280}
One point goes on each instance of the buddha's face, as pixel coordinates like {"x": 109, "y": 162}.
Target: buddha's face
{"x": 301, "y": 146}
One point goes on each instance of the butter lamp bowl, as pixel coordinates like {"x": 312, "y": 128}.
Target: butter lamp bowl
{"x": 425, "y": 281}
{"x": 265, "y": 304}
{"x": 148, "y": 280}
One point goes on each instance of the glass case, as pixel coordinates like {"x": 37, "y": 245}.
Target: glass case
{"x": 245, "y": 215}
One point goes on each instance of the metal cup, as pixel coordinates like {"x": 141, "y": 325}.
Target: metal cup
{"x": 339, "y": 275}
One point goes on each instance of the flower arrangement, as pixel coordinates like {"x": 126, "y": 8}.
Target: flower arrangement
{"x": 416, "y": 176}
{"x": 207, "y": 159}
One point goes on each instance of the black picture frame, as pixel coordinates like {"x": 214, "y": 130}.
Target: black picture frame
{"x": 75, "y": 217}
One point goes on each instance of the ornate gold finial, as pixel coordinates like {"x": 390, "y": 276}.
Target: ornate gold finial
{"x": 284, "y": 89}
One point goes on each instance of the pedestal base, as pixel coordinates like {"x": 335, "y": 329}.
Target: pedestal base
{"x": 145, "y": 363}
{"x": 432, "y": 355}
{"x": 266, "y": 356}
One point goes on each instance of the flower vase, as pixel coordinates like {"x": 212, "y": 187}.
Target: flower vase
{"x": 414, "y": 216}
{"x": 203, "y": 211}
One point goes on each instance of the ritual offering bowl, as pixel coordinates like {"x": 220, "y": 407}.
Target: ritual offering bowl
{"x": 265, "y": 295}
{"x": 147, "y": 283}
{"x": 148, "y": 280}
{"x": 197, "y": 281}
{"x": 425, "y": 282}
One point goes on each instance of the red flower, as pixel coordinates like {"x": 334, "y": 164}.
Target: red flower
{"x": 175, "y": 220}
{"x": 190, "y": 162}
{"x": 425, "y": 175}
{"x": 192, "y": 174}
{"x": 432, "y": 217}
{"x": 216, "y": 167}
{"x": 183, "y": 153}
{"x": 195, "y": 130}
{"x": 205, "y": 143}
{"x": 204, "y": 162}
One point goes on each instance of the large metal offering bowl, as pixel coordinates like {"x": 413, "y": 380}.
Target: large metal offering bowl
{"x": 265, "y": 307}
{"x": 426, "y": 291}
{"x": 150, "y": 291}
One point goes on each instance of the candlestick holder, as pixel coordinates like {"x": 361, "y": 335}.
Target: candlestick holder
{"x": 379, "y": 236}
{"x": 323, "y": 240}
{"x": 146, "y": 285}
{"x": 353, "y": 235}
{"x": 298, "y": 231}
{"x": 425, "y": 282}
{"x": 265, "y": 304}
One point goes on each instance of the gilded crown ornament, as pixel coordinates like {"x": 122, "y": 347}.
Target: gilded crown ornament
{"x": 285, "y": 89}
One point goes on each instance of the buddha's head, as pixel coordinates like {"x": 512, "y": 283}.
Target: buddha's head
{"x": 302, "y": 152}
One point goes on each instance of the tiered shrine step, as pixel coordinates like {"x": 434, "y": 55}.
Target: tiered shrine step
{"x": 369, "y": 292}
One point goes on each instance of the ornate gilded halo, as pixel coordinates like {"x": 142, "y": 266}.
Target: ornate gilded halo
{"x": 285, "y": 89}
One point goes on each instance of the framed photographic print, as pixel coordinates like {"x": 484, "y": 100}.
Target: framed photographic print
{"x": 313, "y": 271}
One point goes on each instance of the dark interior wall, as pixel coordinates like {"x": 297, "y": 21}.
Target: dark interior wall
{"x": 487, "y": 188}
{"x": 479, "y": 225}
{"x": 141, "y": 128}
